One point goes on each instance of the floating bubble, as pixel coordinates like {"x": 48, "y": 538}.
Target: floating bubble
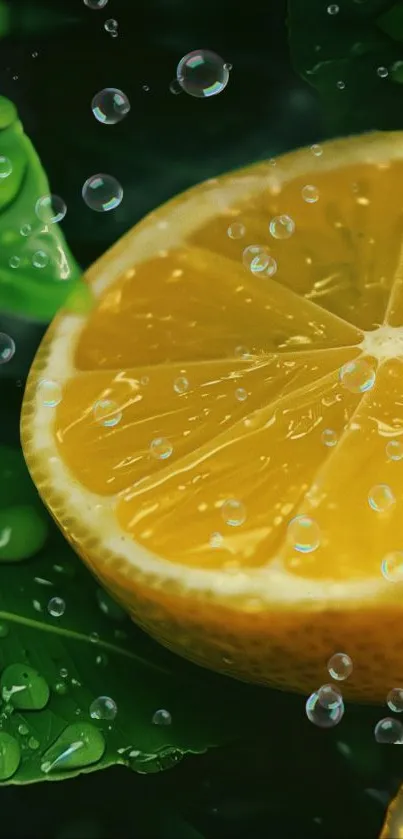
{"x": 357, "y": 376}
{"x": 241, "y": 394}
{"x": 161, "y": 448}
{"x": 303, "y": 533}
{"x": 7, "y": 348}
{"x": 103, "y": 708}
{"x": 316, "y": 150}
{"x": 25, "y": 230}
{"x": 340, "y": 666}
{"x": 233, "y": 512}
{"x": 50, "y": 393}
{"x": 202, "y": 73}
{"x": 175, "y": 87}
{"x": 383, "y": 72}
{"x": 162, "y": 717}
{"x": 321, "y": 716}
{"x": 258, "y": 259}
{"x": 236, "y": 230}
{"x": 389, "y": 731}
{"x": 216, "y": 540}
{"x": 107, "y": 413}
{"x": 94, "y": 637}
{"x": 329, "y": 437}
{"x": 40, "y": 259}
{"x": 310, "y": 193}
{"x": 95, "y": 4}
{"x": 50, "y": 209}
{"x": 333, "y": 9}
{"x": 392, "y": 567}
{"x": 395, "y": 700}
{"x": 340, "y": 85}
{"x": 102, "y": 193}
{"x": 5, "y": 166}
{"x": 110, "y": 106}
{"x": 14, "y": 261}
{"x": 111, "y": 26}
{"x": 56, "y": 607}
{"x": 381, "y": 498}
{"x": 181, "y": 384}
{"x": 330, "y": 696}
{"x": 394, "y": 450}
{"x": 282, "y": 227}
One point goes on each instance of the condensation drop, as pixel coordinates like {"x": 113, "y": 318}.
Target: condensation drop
{"x": 340, "y": 666}
{"x": 110, "y": 106}
{"x": 102, "y": 193}
{"x": 303, "y": 534}
{"x": 202, "y": 73}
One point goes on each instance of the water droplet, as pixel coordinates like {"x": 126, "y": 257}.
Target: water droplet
{"x": 161, "y": 448}
{"x": 4, "y": 630}
{"x": 103, "y": 708}
{"x": 395, "y": 700}
{"x": 329, "y": 437}
{"x": 24, "y": 687}
{"x": 202, "y": 73}
{"x": 310, "y": 194}
{"x": 303, "y": 534}
{"x": 7, "y": 348}
{"x": 109, "y": 607}
{"x": 241, "y": 394}
{"x": 392, "y": 567}
{"x": 63, "y": 672}
{"x": 5, "y": 167}
{"x": 50, "y": 209}
{"x": 95, "y": 4}
{"x": 162, "y": 717}
{"x": 216, "y": 540}
{"x": 110, "y": 106}
{"x": 102, "y": 193}
{"x": 33, "y": 743}
{"x": 23, "y": 729}
{"x": 61, "y": 688}
{"x": 101, "y": 660}
{"x": 14, "y": 261}
{"x": 340, "y": 666}
{"x": 357, "y": 376}
{"x": 145, "y": 763}
{"x": 40, "y": 259}
{"x": 381, "y": 498}
{"x": 321, "y": 716}
{"x": 258, "y": 260}
{"x": 389, "y": 731}
{"x": 10, "y": 756}
{"x": 316, "y": 150}
{"x": 383, "y": 72}
{"x": 25, "y": 230}
{"x": 233, "y": 512}
{"x": 333, "y": 9}
{"x": 330, "y": 696}
{"x": 181, "y": 384}
{"x": 340, "y": 85}
{"x": 282, "y": 227}
{"x": 56, "y": 607}
{"x": 394, "y": 450}
{"x": 34, "y": 54}
{"x": 236, "y": 230}
{"x": 146, "y": 88}
{"x": 50, "y": 393}
{"x": 80, "y": 744}
{"x": 94, "y": 637}
{"x": 107, "y": 413}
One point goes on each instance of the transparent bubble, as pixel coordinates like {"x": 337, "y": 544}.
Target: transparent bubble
{"x": 102, "y": 193}
{"x": 383, "y": 72}
{"x": 316, "y": 150}
{"x": 95, "y": 4}
{"x": 216, "y": 540}
{"x": 321, "y": 716}
{"x": 333, "y": 9}
{"x": 394, "y": 450}
{"x": 14, "y": 261}
{"x": 40, "y": 259}
{"x": 389, "y": 731}
{"x": 107, "y": 413}
{"x": 303, "y": 534}
{"x": 241, "y": 394}
{"x": 111, "y": 26}
{"x": 162, "y": 717}
{"x": 110, "y": 106}
{"x": 340, "y": 666}
{"x": 103, "y": 708}
{"x": 236, "y": 230}
{"x": 340, "y": 84}
{"x": 5, "y": 167}
{"x": 282, "y": 227}
{"x": 330, "y": 696}
{"x": 7, "y": 348}
{"x": 258, "y": 259}
{"x": 50, "y": 209}
{"x": 381, "y": 498}
{"x": 233, "y": 512}
{"x": 394, "y": 700}
{"x": 25, "y": 230}
{"x": 357, "y": 376}
{"x": 175, "y": 87}
{"x": 310, "y": 193}
{"x": 56, "y": 607}
{"x": 161, "y": 448}
{"x": 392, "y": 567}
{"x": 202, "y": 73}
{"x": 329, "y": 437}
{"x": 181, "y": 384}
{"x": 50, "y": 393}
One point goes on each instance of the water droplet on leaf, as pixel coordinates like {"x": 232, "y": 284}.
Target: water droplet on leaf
{"x": 10, "y": 756}
{"x": 103, "y": 708}
{"x": 24, "y": 687}
{"x": 80, "y": 744}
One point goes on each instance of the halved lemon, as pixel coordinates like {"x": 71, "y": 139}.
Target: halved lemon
{"x": 221, "y": 437}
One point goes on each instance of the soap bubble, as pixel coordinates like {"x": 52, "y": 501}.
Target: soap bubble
{"x": 282, "y": 227}
{"x": 202, "y": 73}
{"x": 340, "y": 666}
{"x": 102, "y": 193}
{"x": 111, "y": 26}
{"x": 304, "y": 534}
{"x": 110, "y": 105}
{"x": 323, "y": 717}
{"x": 389, "y": 730}
{"x": 7, "y": 348}
{"x": 50, "y": 209}
{"x": 259, "y": 261}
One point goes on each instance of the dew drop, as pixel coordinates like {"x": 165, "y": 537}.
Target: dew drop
{"x": 392, "y": 567}
{"x": 161, "y": 448}
{"x": 56, "y": 607}
{"x": 50, "y": 209}
{"x": 258, "y": 260}
{"x": 23, "y": 729}
{"x": 381, "y": 498}
{"x": 24, "y": 687}
{"x": 202, "y": 73}
{"x": 241, "y": 394}
{"x": 340, "y": 666}
{"x": 233, "y": 512}
{"x": 107, "y": 413}
{"x": 110, "y": 106}
{"x": 236, "y": 231}
{"x": 303, "y": 534}
{"x": 33, "y": 743}
{"x": 321, "y": 716}
{"x": 60, "y": 688}
{"x": 394, "y": 450}
{"x": 395, "y": 700}
{"x": 14, "y": 261}
{"x": 80, "y": 744}
{"x": 50, "y": 393}
{"x": 282, "y": 227}
{"x": 181, "y": 384}
{"x": 7, "y": 348}
{"x": 357, "y": 376}
{"x": 388, "y": 730}
{"x": 310, "y": 194}
{"x": 5, "y": 167}
{"x": 102, "y": 193}
{"x": 103, "y": 708}
{"x": 329, "y": 437}
{"x": 10, "y": 755}
{"x": 40, "y": 259}
{"x": 330, "y": 696}
{"x": 162, "y": 717}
